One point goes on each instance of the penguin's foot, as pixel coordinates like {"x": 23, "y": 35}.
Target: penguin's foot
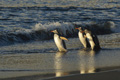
{"x": 86, "y": 49}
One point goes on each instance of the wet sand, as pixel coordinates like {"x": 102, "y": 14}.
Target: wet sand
{"x": 75, "y": 64}
{"x": 106, "y": 75}
{"x": 19, "y": 62}
{"x": 110, "y": 75}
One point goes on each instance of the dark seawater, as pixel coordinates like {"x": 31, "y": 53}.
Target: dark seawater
{"x": 21, "y": 24}
{"x": 27, "y": 46}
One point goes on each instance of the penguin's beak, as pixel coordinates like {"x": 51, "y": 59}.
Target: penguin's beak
{"x": 51, "y": 31}
{"x": 82, "y": 31}
{"x": 76, "y": 28}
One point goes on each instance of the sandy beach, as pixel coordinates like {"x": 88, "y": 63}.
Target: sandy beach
{"x": 50, "y": 64}
{"x": 106, "y": 75}
{"x": 74, "y": 65}
{"x": 110, "y": 75}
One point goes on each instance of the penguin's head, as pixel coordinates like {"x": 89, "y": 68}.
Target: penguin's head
{"x": 80, "y": 29}
{"x": 55, "y": 31}
{"x": 87, "y": 31}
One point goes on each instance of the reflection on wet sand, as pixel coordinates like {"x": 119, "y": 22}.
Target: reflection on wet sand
{"x": 87, "y": 61}
{"x": 59, "y": 64}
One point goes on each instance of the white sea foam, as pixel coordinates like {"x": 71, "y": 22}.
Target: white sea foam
{"x": 51, "y": 26}
{"x": 69, "y": 27}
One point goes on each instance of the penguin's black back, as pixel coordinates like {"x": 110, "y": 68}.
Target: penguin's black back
{"x": 96, "y": 41}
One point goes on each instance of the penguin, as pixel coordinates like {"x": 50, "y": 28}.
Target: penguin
{"x": 59, "y": 41}
{"x": 93, "y": 40}
{"x": 83, "y": 39}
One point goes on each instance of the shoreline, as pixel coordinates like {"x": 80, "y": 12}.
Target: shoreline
{"x": 102, "y": 75}
{"x": 106, "y": 75}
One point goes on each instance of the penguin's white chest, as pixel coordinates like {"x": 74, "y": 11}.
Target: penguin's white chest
{"x": 90, "y": 40}
{"x": 82, "y": 39}
{"x": 59, "y": 43}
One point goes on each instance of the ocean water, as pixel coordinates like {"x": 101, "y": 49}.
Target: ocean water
{"x": 25, "y": 37}
{"x": 26, "y": 20}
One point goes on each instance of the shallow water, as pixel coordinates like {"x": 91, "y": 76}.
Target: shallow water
{"x": 58, "y": 64}
{"x": 33, "y": 58}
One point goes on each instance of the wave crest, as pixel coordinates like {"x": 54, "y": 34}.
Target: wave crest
{"x": 42, "y": 31}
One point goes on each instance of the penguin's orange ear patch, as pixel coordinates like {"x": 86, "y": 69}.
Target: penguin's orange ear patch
{"x": 63, "y": 38}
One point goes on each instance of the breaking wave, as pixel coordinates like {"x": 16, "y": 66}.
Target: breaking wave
{"x": 42, "y": 31}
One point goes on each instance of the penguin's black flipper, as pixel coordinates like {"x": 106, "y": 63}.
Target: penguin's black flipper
{"x": 88, "y": 44}
{"x": 64, "y": 45}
